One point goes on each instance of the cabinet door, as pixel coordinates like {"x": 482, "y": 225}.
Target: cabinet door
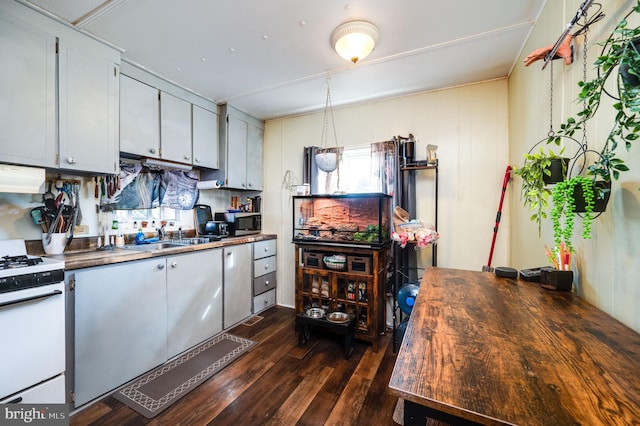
{"x": 255, "y": 136}
{"x": 194, "y": 299}
{"x": 237, "y": 284}
{"x": 175, "y": 128}
{"x": 205, "y": 137}
{"x": 27, "y": 92}
{"x": 88, "y": 100}
{"x": 120, "y": 324}
{"x": 139, "y": 118}
{"x": 236, "y": 153}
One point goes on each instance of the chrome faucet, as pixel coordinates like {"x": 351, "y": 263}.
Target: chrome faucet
{"x": 161, "y": 232}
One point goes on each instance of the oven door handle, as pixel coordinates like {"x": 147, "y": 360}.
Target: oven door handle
{"x": 28, "y": 299}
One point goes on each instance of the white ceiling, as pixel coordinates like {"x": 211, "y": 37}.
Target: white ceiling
{"x": 272, "y": 58}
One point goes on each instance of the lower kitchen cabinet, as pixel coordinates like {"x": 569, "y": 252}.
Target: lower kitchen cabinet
{"x": 264, "y": 275}
{"x": 237, "y": 284}
{"x": 194, "y": 299}
{"x": 120, "y": 327}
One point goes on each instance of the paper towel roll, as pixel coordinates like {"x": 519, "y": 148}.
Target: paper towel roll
{"x": 209, "y": 184}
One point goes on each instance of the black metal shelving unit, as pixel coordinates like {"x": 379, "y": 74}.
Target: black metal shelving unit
{"x": 406, "y": 268}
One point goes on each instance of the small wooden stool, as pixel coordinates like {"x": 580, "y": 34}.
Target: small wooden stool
{"x": 304, "y": 324}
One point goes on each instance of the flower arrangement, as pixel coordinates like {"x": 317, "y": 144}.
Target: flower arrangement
{"x": 415, "y": 231}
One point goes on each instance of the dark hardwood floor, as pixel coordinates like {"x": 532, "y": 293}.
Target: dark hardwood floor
{"x": 278, "y": 383}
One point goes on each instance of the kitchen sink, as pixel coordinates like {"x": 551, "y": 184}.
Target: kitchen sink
{"x": 154, "y": 246}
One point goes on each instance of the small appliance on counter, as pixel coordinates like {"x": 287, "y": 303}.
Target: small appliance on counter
{"x": 241, "y": 223}
{"x": 205, "y": 225}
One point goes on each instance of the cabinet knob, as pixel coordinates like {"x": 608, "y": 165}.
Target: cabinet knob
{"x": 160, "y": 265}
{"x": 71, "y": 160}
{"x": 186, "y": 157}
{"x": 174, "y": 264}
{"x": 152, "y": 150}
{"x": 197, "y": 159}
{"x": 243, "y": 185}
{"x": 266, "y": 266}
{"x": 266, "y": 283}
{"x": 229, "y": 253}
{"x": 249, "y": 185}
{"x": 266, "y": 248}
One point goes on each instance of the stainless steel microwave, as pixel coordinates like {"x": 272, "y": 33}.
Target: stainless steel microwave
{"x": 241, "y": 223}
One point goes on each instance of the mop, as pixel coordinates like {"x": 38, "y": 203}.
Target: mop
{"x": 507, "y": 176}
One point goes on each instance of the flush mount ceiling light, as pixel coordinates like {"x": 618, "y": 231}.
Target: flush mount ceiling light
{"x": 354, "y": 40}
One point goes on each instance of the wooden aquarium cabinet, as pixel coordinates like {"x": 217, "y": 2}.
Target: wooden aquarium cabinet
{"x": 357, "y": 287}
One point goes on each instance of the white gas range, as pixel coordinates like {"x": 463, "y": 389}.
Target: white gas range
{"x": 32, "y": 326}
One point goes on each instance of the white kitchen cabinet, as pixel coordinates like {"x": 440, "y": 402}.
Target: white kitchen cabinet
{"x": 120, "y": 324}
{"x": 139, "y": 118}
{"x": 264, "y": 275}
{"x": 205, "y": 137}
{"x": 78, "y": 101}
{"x": 194, "y": 299}
{"x": 88, "y": 88}
{"x": 237, "y": 284}
{"x": 175, "y": 129}
{"x": 241, "y": 140}
{"x": 255, "y": 138}
{"x": 236, "y": 153}
{"x": 27, "y": 90}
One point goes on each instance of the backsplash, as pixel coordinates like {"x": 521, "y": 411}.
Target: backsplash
{"x": 15, "y": 211}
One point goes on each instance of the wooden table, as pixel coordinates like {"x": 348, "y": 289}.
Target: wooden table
{"x": 499, "y": 351}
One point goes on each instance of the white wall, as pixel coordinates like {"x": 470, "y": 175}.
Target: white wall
{"x": 606, "y": 267}
{"x": 470, "y": 126}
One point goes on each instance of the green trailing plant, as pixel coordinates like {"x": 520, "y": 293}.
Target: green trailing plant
{"x": 535, "y": 192}
{"x": 564, "y": 209}
{"x": 619, "y": 50}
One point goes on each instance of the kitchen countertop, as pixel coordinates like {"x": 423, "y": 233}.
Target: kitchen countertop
{"x": 90, "y": 257}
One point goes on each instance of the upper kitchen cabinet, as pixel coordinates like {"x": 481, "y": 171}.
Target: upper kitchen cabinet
{"x": 175, "y": 128}
{"x": 27, "y": 90}
{"x": 241, "y": 138}
{"x": 159, "y": 119}
{"x": 139, "y": 118}
{"x": 88, "y": 87}
{"x": 205, "y": 137}
{"x": 77, "y": 99}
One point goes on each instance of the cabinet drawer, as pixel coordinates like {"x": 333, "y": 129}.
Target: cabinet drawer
{"x": 264, "y": 266}
{"x": 264, "y": 248}
{"x": 264, "y": 283}
{"x": 264, "y": 301}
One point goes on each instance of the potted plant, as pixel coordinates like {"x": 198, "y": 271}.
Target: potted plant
{"x": 565, "y": 197}
{"x": 620, "y": 51}
{"x": 536, "y": 174}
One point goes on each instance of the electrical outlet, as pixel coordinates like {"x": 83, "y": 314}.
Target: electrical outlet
{"x": 81, "y": 229}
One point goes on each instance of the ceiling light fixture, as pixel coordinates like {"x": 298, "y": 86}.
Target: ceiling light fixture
{"x": 354, "y": 40}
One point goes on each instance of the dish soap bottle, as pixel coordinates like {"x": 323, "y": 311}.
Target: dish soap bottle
{"x": 140, "y": 236}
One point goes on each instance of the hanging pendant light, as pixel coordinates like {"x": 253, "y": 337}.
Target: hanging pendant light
{"x": 327, "y": 158}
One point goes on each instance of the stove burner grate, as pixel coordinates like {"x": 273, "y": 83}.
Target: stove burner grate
{"x": 21, "y": 261}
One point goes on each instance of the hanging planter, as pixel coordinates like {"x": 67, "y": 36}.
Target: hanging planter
{"x": 601, "y": 191}
{"x": 327, "y": 159}
{"x": 631, "y": 62}
{"x": 556, "y": 171}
